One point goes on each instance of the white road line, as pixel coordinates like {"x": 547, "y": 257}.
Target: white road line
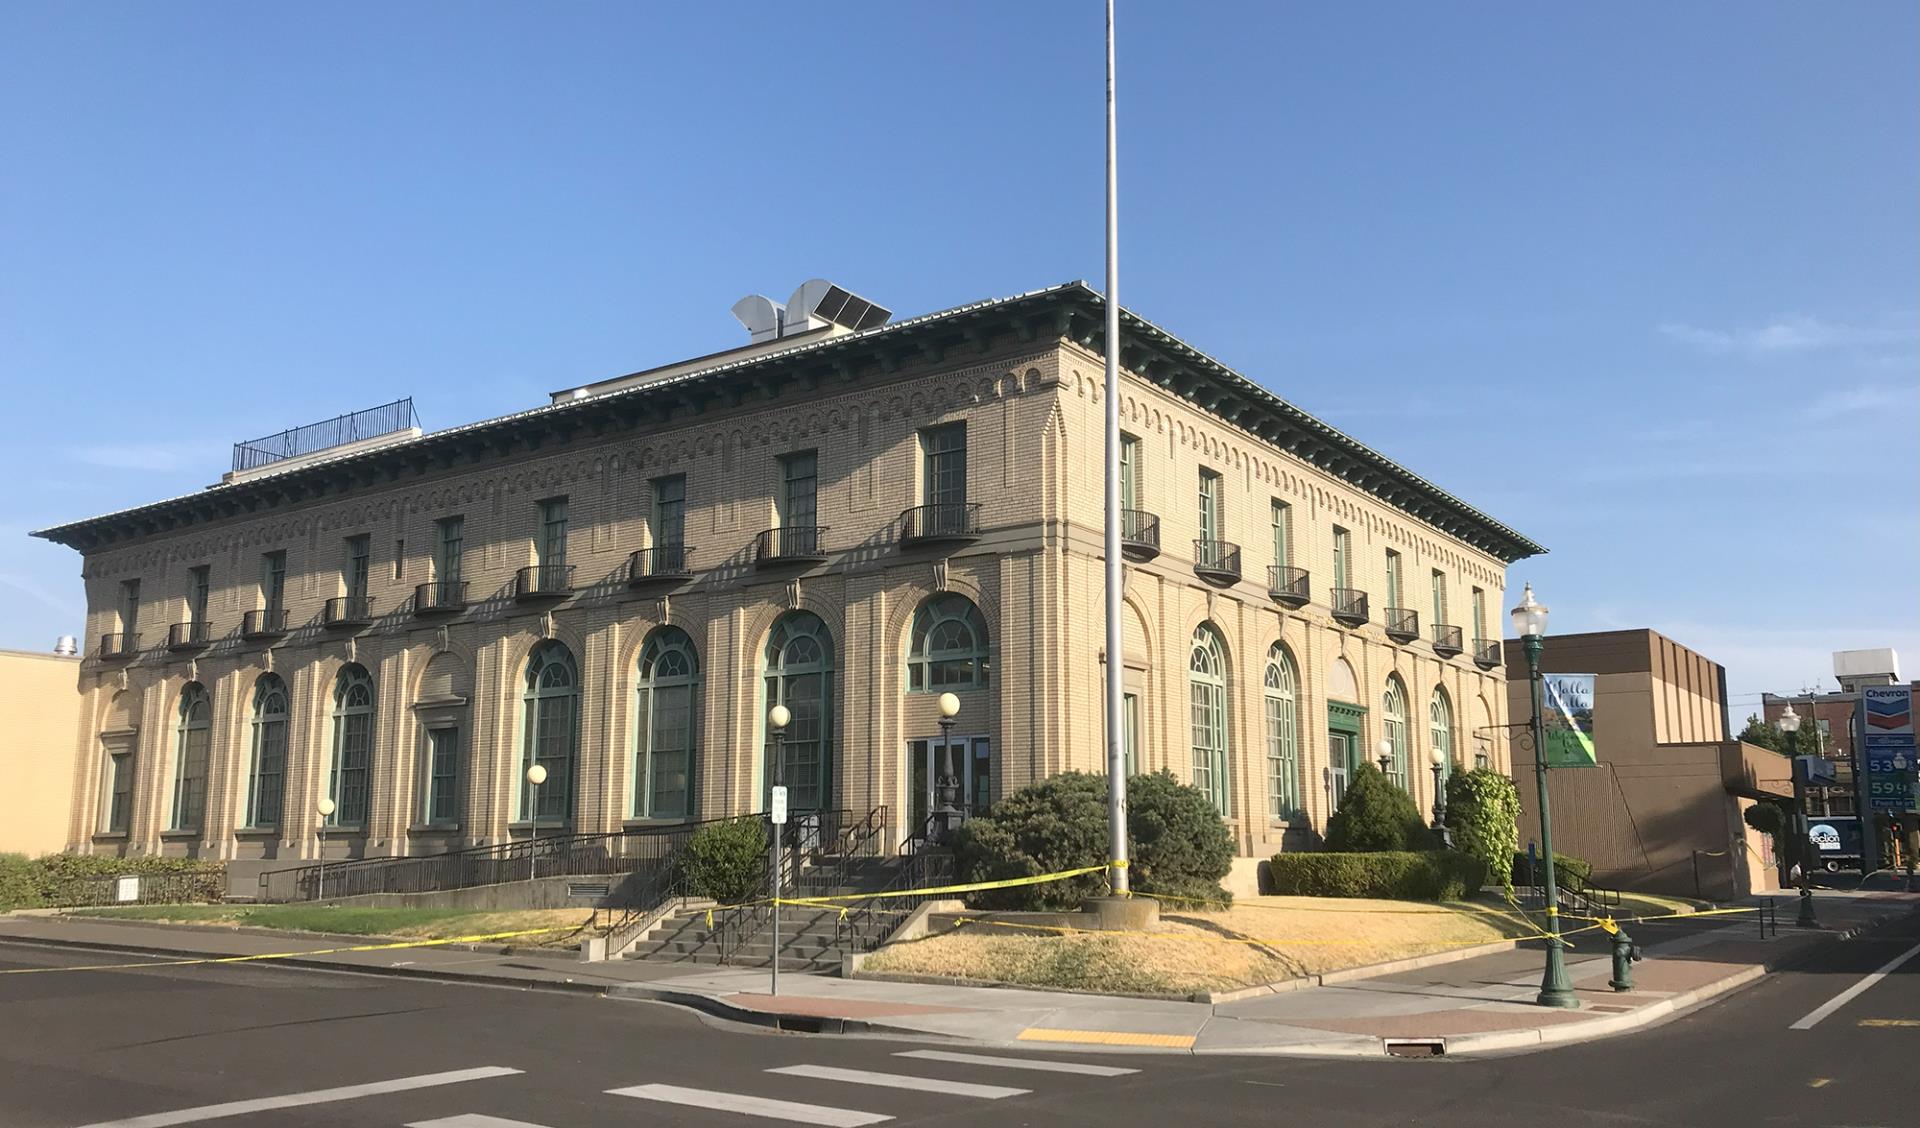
{"x": 753, "y": 1106}
{"x": 472, "y": 1120}
{"x": 1018, "y": 1063}
{"x": 1843, "y": 998}
{"x": 899, "y": 1081}
{"x": 295, "y": 1100}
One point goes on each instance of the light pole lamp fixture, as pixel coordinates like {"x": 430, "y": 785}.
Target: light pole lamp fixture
{"x": 536, "y": 775}
{"x": 326, "y": 808}
{"x": 1438, "y": 758}
{"x": 1384, "y": 753}
{"x": 1789, "y": 723}
{"x": 1530, "y": 623}
{"x": 948, "y": 815}
{"x": 778, "y": 718}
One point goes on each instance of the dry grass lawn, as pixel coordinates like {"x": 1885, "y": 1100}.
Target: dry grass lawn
{"x": 1258, "y": 940}
{"x": 417, "y": 924}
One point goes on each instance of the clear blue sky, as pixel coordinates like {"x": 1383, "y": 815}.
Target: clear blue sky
{"x": 1638, "y": 279}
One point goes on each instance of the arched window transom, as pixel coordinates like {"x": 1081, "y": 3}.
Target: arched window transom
{"x": 1207, "y": 690}
{"x": 267, "y": 774}
{"x": 193, "y": 739}
{"x": 1283, "y": 736}
{"x": 947, "y": 647}
{"x": 551, "y": 736}
{"x": 352, "y": 775}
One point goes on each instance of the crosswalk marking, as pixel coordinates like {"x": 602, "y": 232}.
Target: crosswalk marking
{"x": 473, "y": 1120}
{"x": 295, "y": 1100}
{"x": 753, "y": 1106}
{"x": 1018, "y": 1063}
{"x": 900, "y": 1081}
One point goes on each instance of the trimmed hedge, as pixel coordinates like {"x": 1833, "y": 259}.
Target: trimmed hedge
{"x": 726, "y": 861}
{"x": 74, "y": 879}
{"x": 1434, "y": 875}
{"x": 1376, "y": 814}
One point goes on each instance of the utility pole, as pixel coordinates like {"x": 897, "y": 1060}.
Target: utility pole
{"x": 1116, "y": 630}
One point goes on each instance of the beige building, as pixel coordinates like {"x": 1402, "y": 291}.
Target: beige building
{"x": 1664, "y": 808}
{"x": 40, "y": 702}
{"x": 845, "y": 516}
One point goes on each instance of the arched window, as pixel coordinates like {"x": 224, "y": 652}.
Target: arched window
{"x": 947, "y": 648}
{"x": 267, "y": 775}
{"x": 193, "y": 737}
{"x": 352, "y": 777}
{"x": 799, "y": 662}
{"x": 1393, "y": 726}
{"x": 1440, "y": 730}
{"x": 1207, "y": 686}
{"x": 1283, "y": 736}
{"x": 664, "y": 756}
{"x": 552, "y": 733}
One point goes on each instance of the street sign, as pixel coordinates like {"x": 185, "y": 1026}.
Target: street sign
{"x": 126, "y": 889}
{"x": 1567, "y": 722}
{"x": 1889, "y": 746}
{"x": 778, "y": 812}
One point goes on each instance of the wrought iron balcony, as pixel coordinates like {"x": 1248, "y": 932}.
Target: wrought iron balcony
{"x": 347, "y": 611}
{"x": 1446, "y": 640}
{"x": 947, "y": 522}
{"x": 663, "y": 563}
{"x": 1403, "y": 624}
{"x": 441, "y": 597}
{"x": 1139, "y": 535}
{"x": 119, "y": 645}
{"x": 794, "y": 544}
{"x": 1487, "y": 653}
{"x": 542, "y": 581}
{"x": 265, "y": 622}
{"x": 1349, "y": 605}
{"x": 1216, "y": 561}
{"x": 1289, "y": 585}
{"x": 190, "y": 636}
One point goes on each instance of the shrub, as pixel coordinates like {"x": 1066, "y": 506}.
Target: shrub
{"x": 1431, "y": 875}
{"x": 1767, "y": 818}
{"x": 727, "y": 860}
{"x": 1483, "y": 815}
{"x": 78, "y": 879}
{"x": 1375, "y": 814}
{"x": 19, "y": 884}
{"x": 1176, "y": 841}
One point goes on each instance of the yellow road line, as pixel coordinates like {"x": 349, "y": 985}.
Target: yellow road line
{"x": 1890, "y": 1022}
{"x": 1819, "y": 1082}
{"x": 1108, "y": 1038}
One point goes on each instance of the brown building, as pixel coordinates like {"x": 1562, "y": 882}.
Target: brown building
{"x": 1663, "y": 810}
{"x": 40, "y": 711}
{"x": 845, "y": 516}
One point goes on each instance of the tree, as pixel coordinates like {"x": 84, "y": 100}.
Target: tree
{"x": 1483, "y": 813}
{"x": 1375, "y": 814}
{"x": 1761, "y": 734}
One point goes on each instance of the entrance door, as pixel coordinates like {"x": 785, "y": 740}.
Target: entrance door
{"x": 926, "y": 762}
{"x": 1340, "y": 752}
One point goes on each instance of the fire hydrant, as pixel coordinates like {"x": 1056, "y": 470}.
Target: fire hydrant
{"x": 1624, "y": 953}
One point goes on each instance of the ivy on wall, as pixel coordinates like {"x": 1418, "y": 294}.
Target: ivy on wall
{"x": 1483, "y": 814}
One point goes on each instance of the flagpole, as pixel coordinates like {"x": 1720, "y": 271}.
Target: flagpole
{"x": 1116, "y": 635}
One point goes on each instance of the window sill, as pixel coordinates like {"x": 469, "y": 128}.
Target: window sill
{"x": 179, "y": 835}
{"x": 257, "y": 832}
{"x": 671, "y": 820}
{"x": 544, "y": 827}
{"x": 434, "y": 828}
{"x": 343, "y": 831}
{"x": 111, "y": 836}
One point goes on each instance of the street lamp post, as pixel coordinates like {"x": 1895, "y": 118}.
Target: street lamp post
{"x": 536, "y": 775}
{"x": 1385, "y": 750}
{"x": 948, "y": 784}
{"x": 1789, "y": 723}
{"x": 1439, "y": 759}
{"x": 326, "y": 809}
{"x": 778, "y": 718}
{"x": 1530, "y": 623}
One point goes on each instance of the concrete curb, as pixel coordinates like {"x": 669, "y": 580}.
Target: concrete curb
{"x": 342, "y": 939}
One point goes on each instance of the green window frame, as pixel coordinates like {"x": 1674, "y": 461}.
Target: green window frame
{"x": 799, "y": 673}
{"x": 199, "y": 591}
{"x": 358, "y": 566}
{"x": 1393, "y": 580}
{"x": 1439, "y": 597}
{"x": 1282, "y": 520}
{"x": 193, "y": 740}
{"x": 1207, "y": 695}
{"x": 946, "y": 645}
{"x": 1479, "y": 615}
{"x": 1342, "y": 558}
{"x": 1440, "y": 730}
{"x": 943, "y": 458}
{"x": 666, "y": 712}
{"x": 550, "y": 736}
{"x": 1130, "y": 731}
{"x": 670, "y": 511}
{"x": 450, "y": 548}
{"x": 1393, "y": 728}
{"x": 799, "y": 490}
{"x": 1209, "y": 499}
{"x": 350, "y": 782}
{"x": 443, "y": 776}
{"x": 1129, "y": 472}
{"x": 267, "y": 766}
{"x": 1283, "y": 736}
{"x": 119, "y": 814}
{"x": 551, "y": 548}
{"x": 273, "y": 580}
{"x": 130, "y": 606}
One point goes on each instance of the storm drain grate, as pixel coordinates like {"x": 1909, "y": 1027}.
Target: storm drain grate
{"x": 1415, "y": 1047}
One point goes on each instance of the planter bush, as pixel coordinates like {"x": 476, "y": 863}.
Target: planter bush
{"x": 726, "y": 861}
{"x": 1431, "y": 875}
{"x": 1483, "y": 816}
{"x": 1375, "y": 814}
{"x": 1176, "y": 840}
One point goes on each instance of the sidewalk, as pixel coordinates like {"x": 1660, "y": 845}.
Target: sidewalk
{"x": 1478, "y": 1005}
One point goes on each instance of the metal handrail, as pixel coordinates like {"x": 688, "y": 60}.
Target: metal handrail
{"x": 663, "y": 561}
{"x": 264, "y": 621}
{"x": 1486, "y": 652}
{"x": 183, "y": 635}
{"x": 790, "y": 542}
{"x": 347, "y": 609}
{"x": 1139, "y": 527}
{"x": 1288, "y": 584}
{"x": 351, "y": 427}
{"x": 440, "y": 595}
{"x": 543, "y": 579}
{"x": 1347, "y": 603}
{"x": 850, "y": 841}
{"x": 1447, "y": 638}
{"x": 118, "y": 645}
{"x": 1217, "y": 556}
{"x": 1404, "y": 621}
{"x": 940, "y": 521}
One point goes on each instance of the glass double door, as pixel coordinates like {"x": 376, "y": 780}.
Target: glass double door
{"x": 927, "y": 762}
{"x": 1342, "y": 747}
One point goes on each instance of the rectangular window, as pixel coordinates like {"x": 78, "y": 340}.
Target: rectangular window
{"x": 1129, "y": 472}
{"x": 1130, "y": 731}
{"x": 449, "y": 547}
{"x": 551, "y": 547}
{"x": 1439, "y": 597}
{"x": 670, "y": 511}
{"x": 1283, "y": 769}
{"x": 944, "y": 465}
{"x": 1342, "y": 553}
{"x": 799, "y": 490}
{"x": 443, "y": 773}
{"x": 352, "y": 767}
{"x": 1393, "y": 580}
{"x": 661, "y": 774}
{"x": 199, "y": 588}
{"x": 355, "y": 573}
{"x": 1282, "y": 542}
{"x": 1209, "y": 506}
{"x": 130, "y": 606}
{"x": 400, "y": 558}
{"x": 1479, "y": 614}
{"x": 273, "y": 581}
{"x": 119, "y": 812}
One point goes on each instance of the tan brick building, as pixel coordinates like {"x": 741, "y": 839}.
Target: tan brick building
{"x": 848, "y": 518}
{"x": 40, "y": 707}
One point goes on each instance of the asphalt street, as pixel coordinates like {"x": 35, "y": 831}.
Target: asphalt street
{"x": 257, "y": 1045}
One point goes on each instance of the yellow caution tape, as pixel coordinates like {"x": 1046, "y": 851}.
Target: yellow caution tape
{"x": 288, "y": 955}
{"x": 833, "y": 900}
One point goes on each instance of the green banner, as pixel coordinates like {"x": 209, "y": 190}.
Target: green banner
{"x": 1568, "y": 720}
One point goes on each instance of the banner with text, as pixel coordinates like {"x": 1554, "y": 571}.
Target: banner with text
{"x": 1887, "y": 715}
{"x": 1568, "y": 720}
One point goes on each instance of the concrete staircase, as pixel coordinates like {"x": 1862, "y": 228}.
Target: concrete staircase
{"x": 810, "y": 939}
